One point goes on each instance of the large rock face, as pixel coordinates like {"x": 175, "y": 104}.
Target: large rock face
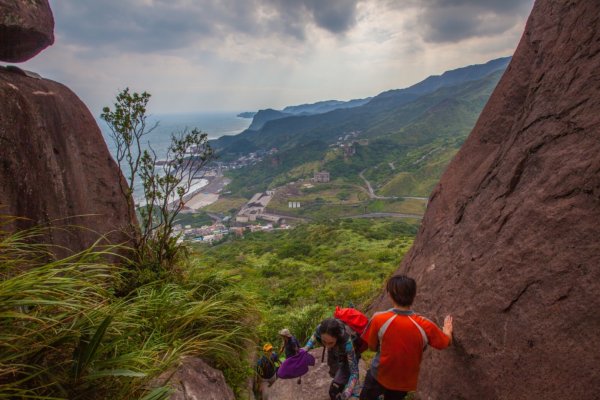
{"x": 26, "y": 28}
{"x": 510, "y": 243}
{"x": 55, "y": 167}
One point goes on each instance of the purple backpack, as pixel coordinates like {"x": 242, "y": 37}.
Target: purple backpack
{"x": 296, "y": 366}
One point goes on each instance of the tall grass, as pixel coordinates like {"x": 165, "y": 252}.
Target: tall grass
{"x": 65, "y": 335}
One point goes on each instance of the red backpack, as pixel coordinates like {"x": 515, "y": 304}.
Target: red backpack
{"x": 356, "y": 321}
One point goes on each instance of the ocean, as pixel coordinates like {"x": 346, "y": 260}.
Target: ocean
{"x": 214, "y": 125}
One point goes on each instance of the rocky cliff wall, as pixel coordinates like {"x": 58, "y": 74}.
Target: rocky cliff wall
{"x": 55, "y": 168}
{"x": 510, "y": 242}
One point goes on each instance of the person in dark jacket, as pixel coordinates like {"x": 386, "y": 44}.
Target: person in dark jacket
{"x": 290, "y": 344}
{"x": 341, "y": 357}
{"x": 266, "y": 370}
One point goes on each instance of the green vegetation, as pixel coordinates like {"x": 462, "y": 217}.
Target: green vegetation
{"x": 195, "y": 219}
{"x": 275, "y": 170}
{"x": 338, "y": 200}
{"x": 65, "y": 335}
{"x": 300, "y": 275}
{"x": 417, "y": 172}
{"x": 84, "y": 327}
{"x": 226, "y": 205}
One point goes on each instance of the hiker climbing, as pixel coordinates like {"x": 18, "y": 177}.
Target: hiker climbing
{"x": 266, "y": 371}
{"x": 290, "y": 344}
{"x": 341, "y": 357}
{"x": 400, "y": 336}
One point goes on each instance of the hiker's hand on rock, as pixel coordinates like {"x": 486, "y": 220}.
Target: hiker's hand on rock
{"x": 448, "y": 325}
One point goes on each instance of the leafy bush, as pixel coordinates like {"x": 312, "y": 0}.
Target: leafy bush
{"x": 300, "y": 321}
{"x": 294, "y": 250}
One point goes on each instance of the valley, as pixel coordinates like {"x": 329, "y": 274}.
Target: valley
{"x": 383, "y": 155}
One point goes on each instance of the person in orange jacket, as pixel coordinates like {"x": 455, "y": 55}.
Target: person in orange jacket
{"x": 399, "y": 336}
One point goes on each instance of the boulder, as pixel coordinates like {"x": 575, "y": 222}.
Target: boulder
{"x": 196, "y": 380}
{"x": 55, "y": 167}
{"x": 26, "y": 28}
{"x": 510, "y": 242}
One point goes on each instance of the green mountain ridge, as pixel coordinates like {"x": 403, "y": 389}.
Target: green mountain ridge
{"x": 418, "y": 138}
{"x": 287, "y": 131}
{"x": 264, "y": 116}
{"x": 321, "y": 107}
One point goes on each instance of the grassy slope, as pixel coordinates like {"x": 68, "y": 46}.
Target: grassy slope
{"x": 338, "y": 199}
{"x": 420, "y": 182}
{"x": 64, "y": 334}
{"x": 225, "y": 204}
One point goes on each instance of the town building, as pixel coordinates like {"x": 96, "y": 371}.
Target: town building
{"x": 322, "y": 177}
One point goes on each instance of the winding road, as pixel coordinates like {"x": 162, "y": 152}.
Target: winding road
{"x": 372, "y": 194}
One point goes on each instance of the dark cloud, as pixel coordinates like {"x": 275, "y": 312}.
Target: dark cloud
{"x": 336, "y": 16}
{"x": 146, "y": 26}
{"x": 494, "y": 5}
{"x": 455, "y": 20}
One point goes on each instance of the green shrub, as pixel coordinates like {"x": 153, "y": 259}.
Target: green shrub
{"x": 301, "y": 321}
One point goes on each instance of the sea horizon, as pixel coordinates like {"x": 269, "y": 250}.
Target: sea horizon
{"x": 214, "y": 124}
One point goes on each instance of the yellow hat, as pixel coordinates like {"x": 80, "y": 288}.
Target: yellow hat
{"x": 267, "y": 347}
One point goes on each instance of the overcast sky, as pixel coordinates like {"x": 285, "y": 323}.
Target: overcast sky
{"x": 244, "y": 55}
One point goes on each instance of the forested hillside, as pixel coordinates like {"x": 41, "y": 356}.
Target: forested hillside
{"x": 402, "y": 140}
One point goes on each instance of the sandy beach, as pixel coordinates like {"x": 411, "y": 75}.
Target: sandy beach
{"x": 200, "y": 200}
{"x": 207, "y": 194}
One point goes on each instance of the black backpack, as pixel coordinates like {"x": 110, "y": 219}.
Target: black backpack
{"x": 265, "y": 367}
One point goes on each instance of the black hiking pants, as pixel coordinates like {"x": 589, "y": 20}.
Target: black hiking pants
{"x": 373, "y": 389}
{"x": 339, "y": 370}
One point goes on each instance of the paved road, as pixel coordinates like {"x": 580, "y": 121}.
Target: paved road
{"x": 385, "y": 215}
{"x": 372, "y": 194}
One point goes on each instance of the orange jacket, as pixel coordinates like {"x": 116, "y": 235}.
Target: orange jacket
{"x": 399, "y": 337}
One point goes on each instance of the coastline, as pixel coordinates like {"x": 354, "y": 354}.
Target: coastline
{"x": 207, "y": 194}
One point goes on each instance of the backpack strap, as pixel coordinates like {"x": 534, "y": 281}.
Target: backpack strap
{"x": 385, "y": 326}
{"x": 423, "y": 334}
